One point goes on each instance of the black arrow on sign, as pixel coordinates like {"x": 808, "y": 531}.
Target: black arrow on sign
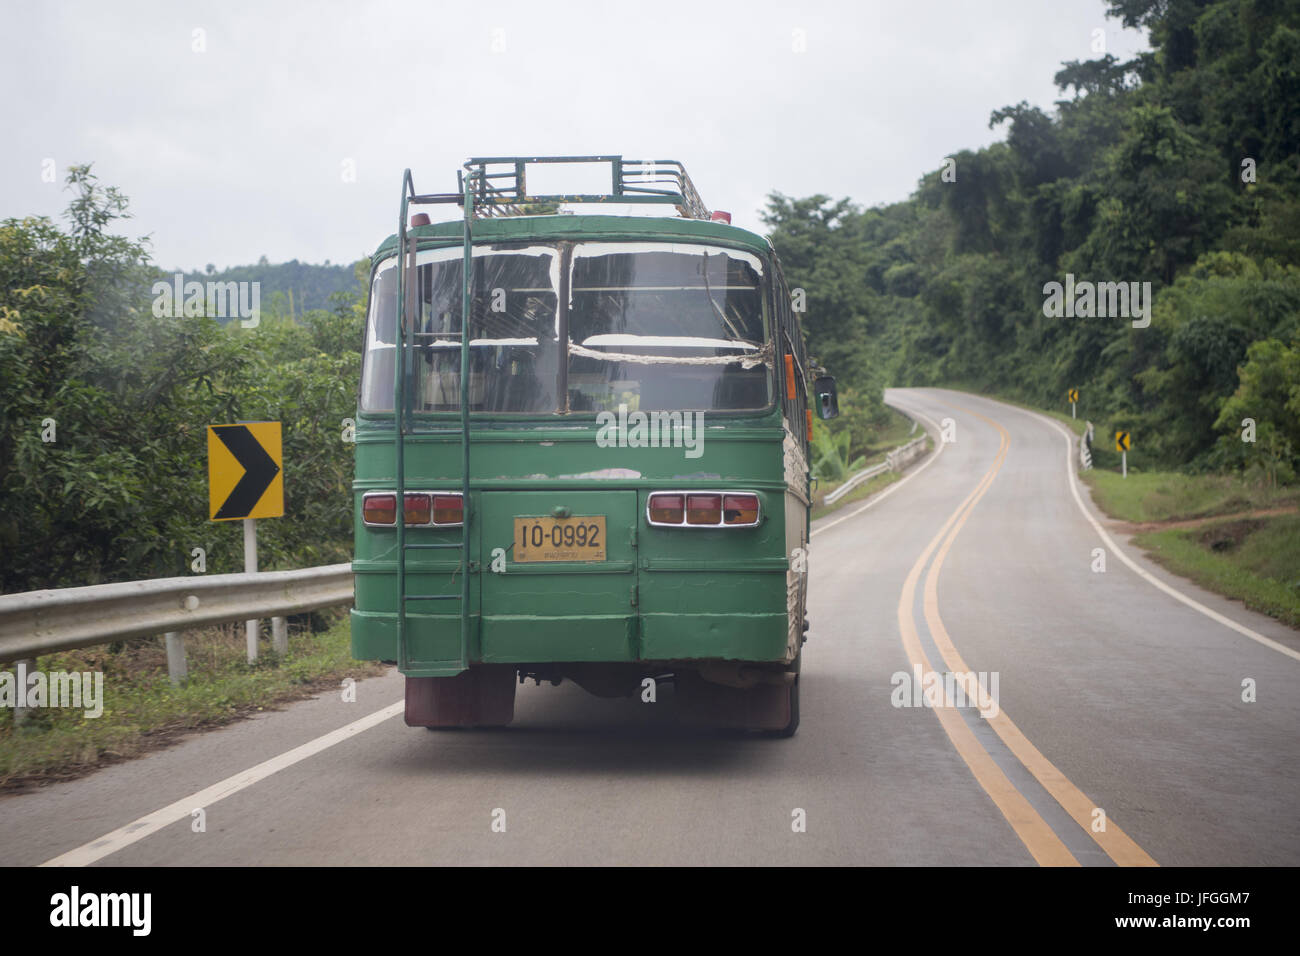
{"x": 260, "y": 470}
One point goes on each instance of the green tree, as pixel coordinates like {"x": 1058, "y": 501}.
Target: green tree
{"x": 1268, "y": 397}
{"x": 103, "y": 408}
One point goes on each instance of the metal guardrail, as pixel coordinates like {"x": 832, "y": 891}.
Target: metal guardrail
{"x": 902, "y": 455}
{"x": 41, "y": 622}
{"x": 894, "y": 461}
{"x": 853, "y": 482}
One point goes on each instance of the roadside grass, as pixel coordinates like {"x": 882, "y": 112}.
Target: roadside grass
{"x": 1171, "y": 496}
{"x": 1255, "y": 560}
{"x": 142, "y": 711}
{"x": 899, "y": 431}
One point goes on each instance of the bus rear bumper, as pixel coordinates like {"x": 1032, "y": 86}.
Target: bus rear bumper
{"x": 504, "y": 639}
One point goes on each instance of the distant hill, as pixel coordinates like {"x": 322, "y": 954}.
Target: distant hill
{"x": 311, "y": 285}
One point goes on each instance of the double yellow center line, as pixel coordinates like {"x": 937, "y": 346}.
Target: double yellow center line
{"x": 1039, "y": 838}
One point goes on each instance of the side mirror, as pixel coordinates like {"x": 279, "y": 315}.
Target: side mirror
{"x": 828, "y": 403}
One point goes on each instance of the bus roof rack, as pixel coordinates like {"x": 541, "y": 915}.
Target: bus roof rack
{"x": 500, "y": 185}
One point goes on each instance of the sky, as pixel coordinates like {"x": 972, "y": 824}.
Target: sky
{"x": 282, "y": 129}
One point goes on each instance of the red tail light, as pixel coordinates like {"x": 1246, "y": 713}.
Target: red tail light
{"x": 417, "y": 509}
{"x": 667, "y": 509}
{"x": 740, "y": 509}
{"x": 379, "y": 509}
{"x": 704, "y": 509}
{"x": 448, "y": 510}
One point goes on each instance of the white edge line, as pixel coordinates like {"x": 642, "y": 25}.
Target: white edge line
{"x": 1133, "y": 566}
{"x": 139, "y": 829}
{"x": 896, "y": 485}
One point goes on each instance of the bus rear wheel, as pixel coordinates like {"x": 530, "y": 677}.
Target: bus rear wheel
{"x": 483, "y": 696}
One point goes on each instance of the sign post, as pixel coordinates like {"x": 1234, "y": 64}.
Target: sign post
{"x": 1122, "y": 443}
{"x": 246, "y": 482}
{"x": 250, "y": 567}
{"x": 1073, "y": 396}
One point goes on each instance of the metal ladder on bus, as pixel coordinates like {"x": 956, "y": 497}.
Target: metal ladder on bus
{"x": 403, "y": 373}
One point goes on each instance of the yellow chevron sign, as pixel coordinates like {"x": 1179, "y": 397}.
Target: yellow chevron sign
{"x": 245, "y": 479}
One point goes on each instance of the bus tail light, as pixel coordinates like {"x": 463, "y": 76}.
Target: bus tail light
{"x": 667, "y": 509}
{"x": 448, "y": 510}
{"x": 740, "y": 509}
{"x": 703, "y": 509}
{"x": 418, "y": 508}
{"x": 379, "y": 509}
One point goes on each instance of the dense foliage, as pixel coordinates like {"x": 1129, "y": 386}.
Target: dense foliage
{"x": 103, "y": 408}
{"x": 302, "y": 285}
{"x": 1180, "y": 168}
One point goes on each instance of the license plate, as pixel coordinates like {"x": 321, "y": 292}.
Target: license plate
{"x": 560, "y": 539}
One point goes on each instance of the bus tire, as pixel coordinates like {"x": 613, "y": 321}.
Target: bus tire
{"x": 483, "y": 696}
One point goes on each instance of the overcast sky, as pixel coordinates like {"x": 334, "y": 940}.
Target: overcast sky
{"x": 237, "y": 141}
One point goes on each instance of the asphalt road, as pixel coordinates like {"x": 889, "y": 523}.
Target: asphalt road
{"x": 1117, "y": 733}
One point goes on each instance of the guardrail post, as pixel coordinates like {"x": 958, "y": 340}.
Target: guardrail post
{"x": 177, "y": 667}
{"x": 24, "y": 668}
{"x": 280, "y": 635}
{"x": 250, "y": 566}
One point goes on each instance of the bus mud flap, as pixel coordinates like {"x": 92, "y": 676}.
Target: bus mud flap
{"x": 761, "y": 707}
{"x": 483, "y": 696}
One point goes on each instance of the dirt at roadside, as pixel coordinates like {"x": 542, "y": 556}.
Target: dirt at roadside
{"x": 1242, "y": 518}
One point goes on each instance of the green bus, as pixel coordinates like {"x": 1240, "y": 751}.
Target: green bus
{"x": 582, "y": 452}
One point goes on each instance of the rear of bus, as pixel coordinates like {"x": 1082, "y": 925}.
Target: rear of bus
{"x": 637, "y": 470}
